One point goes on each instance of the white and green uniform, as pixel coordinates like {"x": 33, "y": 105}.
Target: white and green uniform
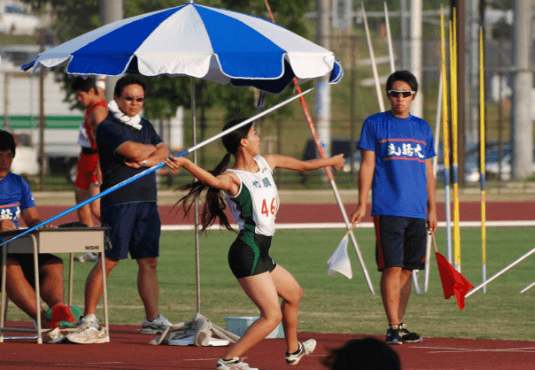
{"x": 254, "y": 208}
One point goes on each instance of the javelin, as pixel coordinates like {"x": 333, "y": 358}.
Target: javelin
{"x": 512, "y": 264}
{"x": 329, "y": 174}
{"x": 155, "y": 167}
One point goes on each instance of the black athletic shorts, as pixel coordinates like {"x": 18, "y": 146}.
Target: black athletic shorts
{"x": 249, "y": 255}
{"x": 26, "y": 263}
{"x": 401, "y": 242}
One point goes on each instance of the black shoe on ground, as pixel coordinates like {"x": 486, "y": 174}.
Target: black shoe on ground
{"x": 393, "y": 336}
{"x": 409, "y": 337}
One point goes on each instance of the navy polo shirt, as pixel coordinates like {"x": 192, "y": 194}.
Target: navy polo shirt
{"x": 111, "y": 134}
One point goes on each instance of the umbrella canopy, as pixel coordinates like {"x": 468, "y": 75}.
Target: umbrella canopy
{"x": 198, "y": 41}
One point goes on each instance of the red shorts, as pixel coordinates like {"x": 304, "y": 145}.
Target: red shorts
{"x": 87, "y": 171}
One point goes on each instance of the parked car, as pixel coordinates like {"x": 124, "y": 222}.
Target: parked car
{"x": 492, "y": 165}
{"x": 471, "y": 165}
{"x": 15, "y": 20}
{"x": 356, "y": 162}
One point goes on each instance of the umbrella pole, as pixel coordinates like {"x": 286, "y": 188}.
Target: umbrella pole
{"x": 196, "y": 204}
{"x": 201, "y": 328}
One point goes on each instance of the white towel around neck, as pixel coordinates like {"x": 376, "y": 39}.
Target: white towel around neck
{"x": 130, "y": 121}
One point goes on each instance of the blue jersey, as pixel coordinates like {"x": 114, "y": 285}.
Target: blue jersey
{"x": 111, "y": 134}
{"x": 15, "y": 196}
{"x": 402, "y": 147}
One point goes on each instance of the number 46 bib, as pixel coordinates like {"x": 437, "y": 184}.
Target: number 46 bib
{"x": 256, "y": 204}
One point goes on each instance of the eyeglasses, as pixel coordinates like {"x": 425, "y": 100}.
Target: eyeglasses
{"x": 131, "y": 98}
{"x": 396, "y": 93}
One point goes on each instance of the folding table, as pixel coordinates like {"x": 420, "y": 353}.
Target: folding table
{"x": 53, "y": 240}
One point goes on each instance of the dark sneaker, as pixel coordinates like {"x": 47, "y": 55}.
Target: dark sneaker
{"x": 409, "y": 337}
{"x": 305, "y": 349}
{"x": 393, "y": 336}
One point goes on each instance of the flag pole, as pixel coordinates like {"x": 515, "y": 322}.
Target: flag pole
{"x": 482, "y": 154}
{"x": 446, "y": 134}
{"x": 374, "y": 65}
{"x": 330, "y": 175}
{"x": 435, "y": 165}
{"x": 155, "y": 167}
{"x": 389, "y": 39}
{"x": 453, "y": 69}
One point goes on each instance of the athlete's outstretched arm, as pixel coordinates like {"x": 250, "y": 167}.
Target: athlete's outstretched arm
{"x": 290, "y": 163}
{"x": 227, "y": 181}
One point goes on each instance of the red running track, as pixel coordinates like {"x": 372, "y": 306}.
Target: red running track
{"x": 130, "y": 350}
{"x": 313, "y": 213}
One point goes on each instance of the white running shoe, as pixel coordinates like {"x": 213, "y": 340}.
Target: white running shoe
{"x": 234, "y": 364}
{"x": 86, "y": 334}
{"x": 53, "y": 336}
{"x": 88, "y": 331}
{"x": 305, "y": 349}
{"x": 156, "y": 326}
{"x": 88, "y": 320}
{"x": 87, "y": 257}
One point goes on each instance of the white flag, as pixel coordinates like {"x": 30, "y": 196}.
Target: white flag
{"x": 339, "y": 261}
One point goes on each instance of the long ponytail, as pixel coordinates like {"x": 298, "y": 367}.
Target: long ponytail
{"x": 214, "y": 203}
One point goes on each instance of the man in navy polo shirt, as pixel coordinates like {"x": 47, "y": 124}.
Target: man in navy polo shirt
{"x": 127, "y": 144}
{"x": 397, "y": 151}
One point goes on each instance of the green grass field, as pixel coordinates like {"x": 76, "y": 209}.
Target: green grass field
{"x": 333, "y": 304}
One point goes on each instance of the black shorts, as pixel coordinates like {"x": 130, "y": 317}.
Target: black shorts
{"x": 401, "y": 242}
{"x": 26, "y": 263}
{"x": 249, "y": 255}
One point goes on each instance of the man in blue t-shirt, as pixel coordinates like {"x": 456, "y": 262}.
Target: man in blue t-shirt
{"x": 127, "y": 144}
{"x": 397, "y": 151}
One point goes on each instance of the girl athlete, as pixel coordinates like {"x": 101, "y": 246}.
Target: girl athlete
{"x": 253, "y": 200}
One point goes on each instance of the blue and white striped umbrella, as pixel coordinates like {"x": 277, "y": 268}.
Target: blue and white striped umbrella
{"x": 199, "y": 41}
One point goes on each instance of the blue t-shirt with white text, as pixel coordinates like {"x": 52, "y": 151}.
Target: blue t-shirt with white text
{"x": 15, "y": 196}
{"x": 402, "y": 147}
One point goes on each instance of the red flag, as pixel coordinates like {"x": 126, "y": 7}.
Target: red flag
{"x": 452, "y": 281}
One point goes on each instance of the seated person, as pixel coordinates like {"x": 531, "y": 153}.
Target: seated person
{"x": 16, "y": 200}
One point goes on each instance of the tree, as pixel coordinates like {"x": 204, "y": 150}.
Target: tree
{"x": 76, "y": 17}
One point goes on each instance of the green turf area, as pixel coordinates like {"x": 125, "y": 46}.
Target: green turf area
{"x": 334, "y": 304}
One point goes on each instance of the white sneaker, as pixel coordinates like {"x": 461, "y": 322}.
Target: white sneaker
{"x": 88, "y": 320}
{"x": 53, "y": 336}
{"x": 88, "y": 331}
{"x": 234, "y": 364}
{"x": 305, "y": 349}
{"x": 156, "y": 326}
{"x": 87, "y": 257}
{"x": 86, "y": 334}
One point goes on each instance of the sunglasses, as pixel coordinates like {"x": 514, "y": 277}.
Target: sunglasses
{"x": 131, "y": 98}
{"x": 396, "y": 93}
